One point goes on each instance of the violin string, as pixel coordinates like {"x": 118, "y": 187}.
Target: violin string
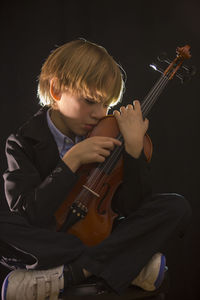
{"x": 152, "y": 99}
{"x": 153, "y": 94}
{"x": 112, "y": 159}
{"x": 95, "y": 180}
{"x": 154, "y": 88}
{"x": 99, "y": 174}
{"x": 96, "y": 176}
{"x": 157, "y": 94}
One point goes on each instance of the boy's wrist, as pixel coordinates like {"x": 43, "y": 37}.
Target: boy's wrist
{"x": 134, "y": 151}
{"x": 71, "y": 161}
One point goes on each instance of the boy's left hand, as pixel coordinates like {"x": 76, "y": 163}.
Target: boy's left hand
{"x": 133, "y": 127}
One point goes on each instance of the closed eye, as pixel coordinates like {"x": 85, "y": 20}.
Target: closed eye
{"x": 90, "y": 101}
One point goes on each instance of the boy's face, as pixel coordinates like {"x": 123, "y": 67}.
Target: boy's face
{"x": 76, "y": 115}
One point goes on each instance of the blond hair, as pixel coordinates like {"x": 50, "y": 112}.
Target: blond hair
{"x": 84, "y": 68}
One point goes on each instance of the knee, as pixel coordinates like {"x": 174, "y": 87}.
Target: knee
{"x": 178, "y": 206}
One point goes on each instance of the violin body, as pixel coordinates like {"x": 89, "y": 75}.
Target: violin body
{"x": 98, "y": 222}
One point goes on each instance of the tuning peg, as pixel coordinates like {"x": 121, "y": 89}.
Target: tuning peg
{"x": 189, "y": 73}
{"x": 192, "y": 70}
{"x": 163, "y": 58}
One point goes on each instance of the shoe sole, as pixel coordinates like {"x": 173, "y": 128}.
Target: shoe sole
{"x": 161, "y": 273}
{"x": 4, "y": 287}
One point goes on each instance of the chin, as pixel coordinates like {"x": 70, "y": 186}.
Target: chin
{"x": 81, "y": 132}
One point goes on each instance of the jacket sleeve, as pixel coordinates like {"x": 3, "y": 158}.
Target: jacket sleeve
{"x": 27, "y": 193}
{"x": 136, "y": 186}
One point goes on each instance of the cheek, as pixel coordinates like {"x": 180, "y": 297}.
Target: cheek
{"x": 80, "y": 110}
{"x": 70, "y": 110}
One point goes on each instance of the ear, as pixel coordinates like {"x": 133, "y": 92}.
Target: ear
{"x": 55, "y": 93}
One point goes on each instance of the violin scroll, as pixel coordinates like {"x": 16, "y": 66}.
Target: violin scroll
{"x": 183, "y": 52}
{"x": 175, "y": 67}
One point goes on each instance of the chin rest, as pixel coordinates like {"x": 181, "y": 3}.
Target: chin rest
{"x": 95, "y": 289}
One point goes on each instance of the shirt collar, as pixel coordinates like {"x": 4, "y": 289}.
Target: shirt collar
{"x": 63, "y": 142}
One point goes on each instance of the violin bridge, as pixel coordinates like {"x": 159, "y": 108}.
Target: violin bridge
{"x": 87, "y": 188}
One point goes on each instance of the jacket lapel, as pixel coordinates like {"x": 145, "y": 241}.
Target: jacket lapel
{"x": 37, "y": 134}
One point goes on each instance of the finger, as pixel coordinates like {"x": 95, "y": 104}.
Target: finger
{"x": 105, "y": 139}
{"x": 111, "y": 144}
{"x": 99, "y": 158}
{"x": 104, "y": 152}
{"x": 136, "y": 104}
{"x": 116, "y": 141}
{"x": 146, "y": 122}
{"x": 129, "y": 106}
{"x": 122, "y": 109}
{"x": 116, "y": 113}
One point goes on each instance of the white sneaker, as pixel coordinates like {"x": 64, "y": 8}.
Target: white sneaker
{"x": 33, "y": 284}
{"x": 152, "y": 275}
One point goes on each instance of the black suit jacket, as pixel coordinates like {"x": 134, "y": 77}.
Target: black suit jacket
{"x": 37, "y": 181}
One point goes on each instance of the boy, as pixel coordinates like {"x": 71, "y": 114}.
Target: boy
{"x": 77, "y": 84}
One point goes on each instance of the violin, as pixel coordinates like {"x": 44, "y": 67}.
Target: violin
{"x": 87, "y": 212}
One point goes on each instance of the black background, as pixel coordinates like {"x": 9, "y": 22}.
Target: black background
{"x": 134, "y": 33}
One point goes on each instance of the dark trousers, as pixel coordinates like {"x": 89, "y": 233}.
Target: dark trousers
{"x": 118, "y": 259}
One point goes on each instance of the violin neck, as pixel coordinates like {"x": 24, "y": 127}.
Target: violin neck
{"x": 153, "y": 95}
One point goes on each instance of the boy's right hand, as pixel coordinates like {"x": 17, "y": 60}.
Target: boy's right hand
{"x": 90, "y": 150}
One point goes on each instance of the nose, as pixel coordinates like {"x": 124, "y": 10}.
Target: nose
{"x": 99, "y": 111}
